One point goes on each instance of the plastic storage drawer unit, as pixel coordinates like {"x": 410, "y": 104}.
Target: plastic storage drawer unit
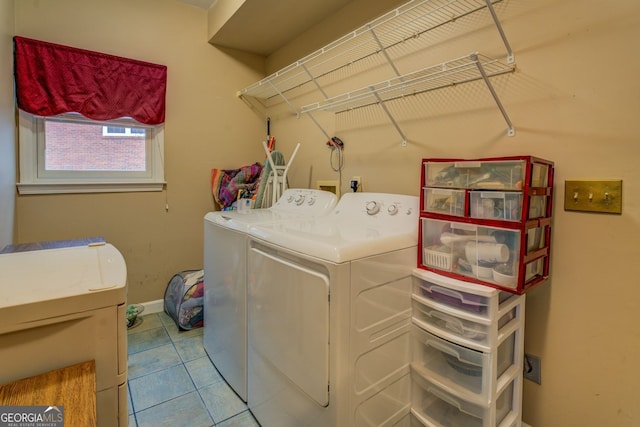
{"x": 467, "y": 353}
{"x": 487, "y": 221}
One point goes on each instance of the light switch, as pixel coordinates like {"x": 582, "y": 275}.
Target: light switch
{"x": 604, "y": 196}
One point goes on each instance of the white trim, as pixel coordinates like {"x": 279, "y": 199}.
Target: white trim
{"x": 127, "y": 131}
{"x": 85, "y": 187}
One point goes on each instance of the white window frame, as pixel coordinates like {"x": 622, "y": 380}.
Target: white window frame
{"x": 33, "y": 179}
{"x": 127, "y": 131}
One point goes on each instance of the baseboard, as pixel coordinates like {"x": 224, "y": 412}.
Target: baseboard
{"x": 156, "y": 306}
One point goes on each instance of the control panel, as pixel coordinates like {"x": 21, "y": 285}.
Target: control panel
{"x": 301, "y": 199}
{"x": 375, "y": 207}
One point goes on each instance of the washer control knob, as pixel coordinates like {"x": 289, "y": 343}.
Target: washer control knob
{"x": 299, "y": 199}
{"x": 372, "y": 208}
{"x": 290, "y": 198}
{"x": 311, "y": 201}
{"x": 392, "y": 209}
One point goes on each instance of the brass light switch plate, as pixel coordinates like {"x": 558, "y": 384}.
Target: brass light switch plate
{"x": 604, "y": 196}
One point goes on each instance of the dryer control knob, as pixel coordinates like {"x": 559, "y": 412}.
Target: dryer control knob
{"x": 299, "y": 199}
{"x": 392, "y": 210}
{"x": 372, "y": 208}
{"x": 311, "y": 201}
{"x": 290, "y": 198}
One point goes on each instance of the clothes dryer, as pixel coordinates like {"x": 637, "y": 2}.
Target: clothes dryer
{"x": 329, "y": 312}
{"x": 225, "y": 255}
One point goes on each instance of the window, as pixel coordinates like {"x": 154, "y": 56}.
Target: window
{"x": 72, "y": 154}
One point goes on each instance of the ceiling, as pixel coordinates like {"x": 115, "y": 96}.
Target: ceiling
{"x": 264, "y": 26}
{"x": 203, "y": 4}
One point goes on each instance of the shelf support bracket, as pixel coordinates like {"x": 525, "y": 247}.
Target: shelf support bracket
{"x": 388, "y": 113}
{"x": 313, "y": 79}
{"x": 293, "y": 108}
{"x": 383, "y": 50}
{"x": 510, "y": 131}
{"x": 496, "y": 21}
{"x": 319, "y": 126}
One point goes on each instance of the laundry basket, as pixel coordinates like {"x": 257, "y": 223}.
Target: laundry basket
{"x": 184, "y": 299}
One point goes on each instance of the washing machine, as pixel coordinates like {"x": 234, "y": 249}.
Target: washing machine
{"x": 329, "y": 313}
{"x": 225, "y": 280}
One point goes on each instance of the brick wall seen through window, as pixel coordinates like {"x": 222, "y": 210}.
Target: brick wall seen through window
{"x": 82, "y": 147}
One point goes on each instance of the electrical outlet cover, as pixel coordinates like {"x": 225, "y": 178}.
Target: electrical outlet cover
{"x": 532, "y": 368}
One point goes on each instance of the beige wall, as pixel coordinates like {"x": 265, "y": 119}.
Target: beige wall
{"x": 206, "y": 126}
{"x": 7, "y": 128}
{"x": 574, "y": 100}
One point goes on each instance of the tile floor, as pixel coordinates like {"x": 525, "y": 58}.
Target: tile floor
{"x": 173, "y": 383}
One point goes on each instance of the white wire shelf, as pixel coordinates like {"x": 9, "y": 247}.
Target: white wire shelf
{"x": 450, "y": 73}
{"x": 397, "y": 26}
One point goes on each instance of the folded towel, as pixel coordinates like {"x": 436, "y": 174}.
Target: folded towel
{"x": 227, "y": 183}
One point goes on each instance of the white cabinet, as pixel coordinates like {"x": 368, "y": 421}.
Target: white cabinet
{"x": 62, "y": 306}
{"x": 467, "y": 353}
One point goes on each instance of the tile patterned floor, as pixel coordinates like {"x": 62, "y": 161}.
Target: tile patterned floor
{"x": 173, "y": 383}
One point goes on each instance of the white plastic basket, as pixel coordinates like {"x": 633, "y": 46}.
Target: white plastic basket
{"x": 437, "y": 258}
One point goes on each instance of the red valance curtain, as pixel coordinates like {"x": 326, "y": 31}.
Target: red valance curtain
{"x": 53, "y": 79}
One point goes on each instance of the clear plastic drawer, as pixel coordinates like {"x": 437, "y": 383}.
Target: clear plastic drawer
{"x": 433, "y": 405}
{"x": 488, "y": 254}
{"x": 537, "y": 206}
{"x": 444, "y": 201}
{"x": 461, "y": 300}
{"x": 536, "y": 238}
{"x": 453, "y": 295}
{"x": 539, "y": 174}
{"x": 457, "y": 367}
{"x": 496, "y": 205}
{"x": 534, "y": 269}
{"x": 505, "y": 206}
{"x": 442, "y": 322}
{"x": 488, "y": 175}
